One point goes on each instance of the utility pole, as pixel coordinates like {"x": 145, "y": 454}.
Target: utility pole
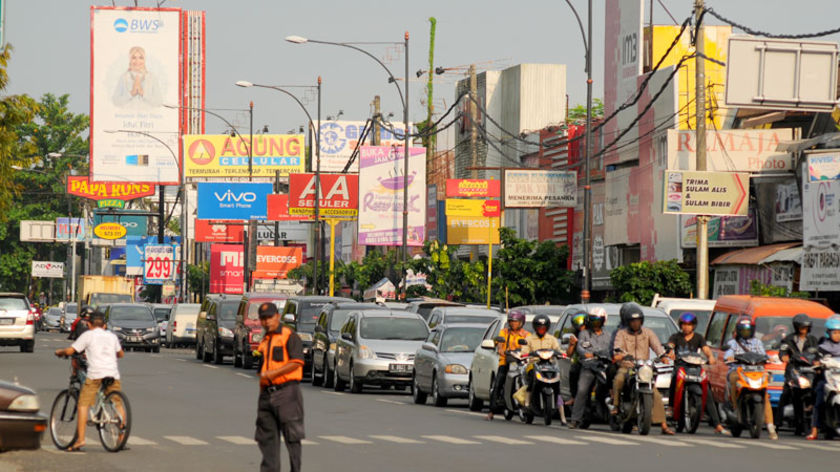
{"x": 474, "y": 137}
{"x": 377, "y": 129}
{"x": 700, "y": 103}
{"x": 587, "y": 188}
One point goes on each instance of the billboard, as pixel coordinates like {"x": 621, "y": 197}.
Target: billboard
{"x": 481, "y": 188}
{"x": 472, "y": 230}
{"x": 276, "y": 262}
{"x": 159, "y": 264}
{"x": 227, "y": 270}
{"x": 218, "y": 231}
{"x": 823, "y": 166}
{"x": 339, "y": 195}
{"x": 540, "y": 188}
{"x": 340, "y": 138}
{"x": 65, "y": 228}
{"x": 81, "y": 186}
{"x": 222, "y": 156}
{"x": 381, "y": 206}
{"x": 135, "y": 70}
{"x": 278, "y": 208}
{"x": 233, "y": 201}
{"x": 820, "y": 270}
{"x": 820, "y": 216}
{"x": 736, "y": 150}
{"x": 135, "y": 225}
{"x": 47, "y": 269}
{"x": 723, "y": 231}
{"x": 706, "y": 193}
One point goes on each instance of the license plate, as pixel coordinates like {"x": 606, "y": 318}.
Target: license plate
{"x": 7, "y": 321}
{"x": 190, "y": 330}
{"x": 399, "y": 368}
{"x": 134, "y": 339}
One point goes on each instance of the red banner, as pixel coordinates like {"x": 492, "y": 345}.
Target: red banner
{"x": 81, "y": 186}
{"x": 491, "y": 208}
{"x": 227, "y": 268}
{"x": 218, "y": 232}
{"x": 473, "y": 188}
{"x": 339, "y": 195}
{"x": 278, "y": 209}
{"x": 276, "y": 262}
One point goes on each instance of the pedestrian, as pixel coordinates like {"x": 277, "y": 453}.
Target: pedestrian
{"x": 280, "y": 404}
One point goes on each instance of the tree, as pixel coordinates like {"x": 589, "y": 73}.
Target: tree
{"x": 640, "y": 281}
{"x": 306, "y": 271}
{"x": 578, "y": 113}
{"x": 198, "y": 276}
{"x": 760, "y": 289}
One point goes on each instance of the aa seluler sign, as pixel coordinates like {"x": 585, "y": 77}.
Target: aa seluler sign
{"x": 339, "y": 195}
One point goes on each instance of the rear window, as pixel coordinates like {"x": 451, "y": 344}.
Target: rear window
{"x": 771, "y": 329}
{"x": 162, "y": 314}
{"x": 452, "y": 319}
{"x": 405, "y": 329}
{"x": 13, "y": 304}
{"x": 227, "y": 310}
{"x": 108, "y": 298}
{"x": 461, "y": 339}
{"x": 130, "y": 313}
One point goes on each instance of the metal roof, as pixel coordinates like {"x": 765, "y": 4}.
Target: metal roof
{"x": 752, "y": 255}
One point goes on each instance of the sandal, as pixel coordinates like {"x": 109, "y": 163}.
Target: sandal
{"x": 76, "y": 448}
{"x": 813, "y": 436}
{"x": 668, "y": 432}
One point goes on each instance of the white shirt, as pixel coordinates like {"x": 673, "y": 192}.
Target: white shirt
{"x": 101, "y": 348}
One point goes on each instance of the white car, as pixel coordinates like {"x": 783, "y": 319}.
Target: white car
{"x": 180, "y": 328}
{"x": 675, "y": 307}
{"x": 17, "y": 322}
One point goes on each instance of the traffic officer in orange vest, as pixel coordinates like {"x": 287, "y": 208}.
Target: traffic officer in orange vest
{"x": 280, "y": 406}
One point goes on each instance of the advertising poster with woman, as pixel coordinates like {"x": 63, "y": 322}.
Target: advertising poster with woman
{"x": 135, "y": 71}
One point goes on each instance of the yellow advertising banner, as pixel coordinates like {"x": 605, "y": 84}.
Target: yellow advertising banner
{"x": 222, "y": 156}
{"x": 472, "y": 229}
{"x": 706, "y": 193}
{"x": 464, "y": 207}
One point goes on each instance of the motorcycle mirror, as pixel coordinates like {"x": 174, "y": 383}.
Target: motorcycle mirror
{"x": 523, "y": 342}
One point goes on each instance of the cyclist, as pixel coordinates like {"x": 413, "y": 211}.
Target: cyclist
{"x": 102, "y": 349}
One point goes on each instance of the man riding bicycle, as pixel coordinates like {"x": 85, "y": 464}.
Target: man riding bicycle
{"x": 102, "y": 349}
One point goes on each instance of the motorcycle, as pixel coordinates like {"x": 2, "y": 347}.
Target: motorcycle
{"x": 831, "y": 404}
{"x": 751, "y": 387}
{"x": 690, "y": 390}
{"x": 545, "y": 387}
{"x": 597, "y": 408}
{"x": 636, "y": 398}
{"x": 514, "y": 381}
{"x": 799, "y": 379}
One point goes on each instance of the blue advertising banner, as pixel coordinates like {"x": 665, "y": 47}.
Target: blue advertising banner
{"x": 135, "y": 225}
{"x": 233, "y": 201}
{"x": 65, "y": 227}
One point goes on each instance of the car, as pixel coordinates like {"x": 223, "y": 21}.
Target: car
{"x": 553, "y": 311}
{"x": 21, "y": 426}
{"x": 376, "y": 347}
{"x": 17, "y": 322}
{"x": 461, "y": 314}
{"x": 134, "y": 324}
{"x": 180, "y": 328}
{"x": 773, "y": 319}
{"x": 425, "y": 305}
{"x": 214, "y": 327}
{"x": 675, "y": 307}
{"x": 69, "y": 313}
{"x": 325, "y": 336}
{"x": 485, "y": 362}
{"x": 52, "y": 319}
{"x": 247, "y": 331}
{"x": 441, "y": 365}
{"x": 161, "y": 312}
{"x": 99, "y": 300}
{"x": 306, "y": 310}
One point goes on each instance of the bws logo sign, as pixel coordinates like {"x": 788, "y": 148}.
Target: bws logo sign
{"x": 137, "y": 25}
{"x": 233, "y": 201}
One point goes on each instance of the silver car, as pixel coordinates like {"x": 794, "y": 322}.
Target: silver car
{"x": 52, "y": 319}
{"x": 456, "y": 314}
{"x": 376, "y": 347}
{"x": 441, "y": 365}
{"x": 68, "y": 316}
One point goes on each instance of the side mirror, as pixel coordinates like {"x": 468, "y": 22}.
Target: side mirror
{"x": 488, "y": 344}
{"x": 430, "y": 347}
{"x": 566, "y": 339}
{"x": 499, "y": 339}
{"x": 210, "y": 317}
{"x": 288, "y": 318}
{"x": 347, "y": 336}
{"x": 522, "y": 342}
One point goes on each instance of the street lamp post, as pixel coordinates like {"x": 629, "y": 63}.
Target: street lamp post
{"x": 404, "y": 100}
{"x": 282, "y": 89}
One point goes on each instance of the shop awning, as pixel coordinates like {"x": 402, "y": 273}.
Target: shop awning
{"x": 829, "y": 140}
{"x": 753, "y": 255}
{"x": 793, "y": 254}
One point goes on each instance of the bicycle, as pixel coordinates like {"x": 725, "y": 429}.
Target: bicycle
{"x": 111, "y": 414}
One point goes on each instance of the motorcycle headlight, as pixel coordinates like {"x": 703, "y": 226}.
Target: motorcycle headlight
{"x": 332, "y": 346}
{"x": 804, "y": 383}
{"x": 305, "y": 336}
{"x": 366, "y": 353}
{"x": 225, "y": 333}
{"x": 545, "y": 355}
{"x": 755, "y": 383}
{"x": 456, "y": 369}
{"x": 645, "y": 374}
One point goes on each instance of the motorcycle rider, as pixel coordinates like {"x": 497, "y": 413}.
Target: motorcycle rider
{"x": 745, "y": 341}
{"x": 691, "y": 341}
{"x": 592, "y": 341}
{"x": 637, "y": 341}
{"x": 512, "y": 333}
{"x": 578, "y": 324}
{"x": 794, "y": 345}
{"x": 81, "y": 323}
{"x": 539, "y": 340}
{"x": 830, "y": 346}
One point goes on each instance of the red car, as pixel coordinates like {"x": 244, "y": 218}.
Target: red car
{"x": 248, "y": 332}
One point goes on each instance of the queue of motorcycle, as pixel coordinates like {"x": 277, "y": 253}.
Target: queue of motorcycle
{"x": 635, "y": 404}
{"x": 691, "y": 390}
{"x": 750, "y": 395}
{"x": 536, "y": 398}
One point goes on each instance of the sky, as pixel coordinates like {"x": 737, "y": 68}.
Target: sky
{"x": 245, "y": 41}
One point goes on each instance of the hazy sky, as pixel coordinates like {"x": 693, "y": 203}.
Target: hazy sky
{"x": 51, "y": 40}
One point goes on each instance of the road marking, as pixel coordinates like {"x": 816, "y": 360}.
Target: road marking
{"x": 504, "y": 440}
{"x": 239, "y": 440}
{"x": 664, "y": 442}
{"x": 556, "y": 440}
{"x": 307, "y": 442}
{"x": 186, "y": 440}
{"x": 821, "y": 448}
{"x": 245, "y": 375}
{"x": 450, "y": 439}
{"x": 182, "y": 360}
{"x": 766, "y": 444}
{"x": 471, "y": 413}
{"x": 138, "y": 441}
{"x": 345, "y": 440}
{"x": 615, "y": 442}
{"x": 709, "y": 442}
{"x": 396, "y": 439}
{"x": 210, "y": 366}
{"x": 392, "y": 402}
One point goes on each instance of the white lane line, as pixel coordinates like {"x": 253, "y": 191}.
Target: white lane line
{"x": 768, "y": 445}
{"x": 709, "y": 442}
{"x": 615, "y": 442}
{"x": 307, "y": 442}
{"x": 471, "y": 413}
{"x": 392, "y": 402}
{"x": 210, "y": 366}
{"x": 186, "y": 440}
{"x": 138, "y": 441}
{"x": 663, "y": 442}
{"x": 246, "y": 375}
{"x": 396, "y": 439}
{"x": 238, "y": 440}
{"x": 345, "y": 440}
{"x": 821, "y": 448}
{"x": 181, "y": 360}
{"x": 450, "y": 439}
{"x": 556, "y": 440}
{"x": 504, "y": 440}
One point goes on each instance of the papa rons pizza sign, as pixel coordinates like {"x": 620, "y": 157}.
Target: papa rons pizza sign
{"x": 81, "y": 186}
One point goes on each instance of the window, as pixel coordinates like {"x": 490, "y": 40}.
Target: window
{"x": 322, "y": 320}
{"x": 434, "y": 337}
{"x": 460, "y": 340}
{"x": 730, "y": 328}
{"x": 407, "y": 329}
{"x": 492, "y": 331}
{"x": 714, "y": 333}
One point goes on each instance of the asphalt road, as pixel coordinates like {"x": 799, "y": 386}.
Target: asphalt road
{"x": 188, "y": 415}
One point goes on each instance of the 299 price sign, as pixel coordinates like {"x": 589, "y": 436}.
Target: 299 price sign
{"x": 159, "y": 264}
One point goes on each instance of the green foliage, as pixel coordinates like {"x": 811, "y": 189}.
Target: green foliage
{"x": 640, "y": 281}
{"x": 198, "y": 276}
{"x": 306, "y": 271}
{"x": 760, "y": 289}
{"x": 377, "y": 265}
{"x": 578, "y": 113}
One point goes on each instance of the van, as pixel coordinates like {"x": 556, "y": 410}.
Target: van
{"x": 180, "y": 330}
{"x": 675, "y": 307}
{"x": 773, "y": 319}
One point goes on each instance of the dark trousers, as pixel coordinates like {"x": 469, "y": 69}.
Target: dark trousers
{"x": 496, "y": 400}
{"x": 584, "y": 388}
{"x": 280, "y": 412}
{"x": 819, "y": 403}
{"x": 574, "y": 375}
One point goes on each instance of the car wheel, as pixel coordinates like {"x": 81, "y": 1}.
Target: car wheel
{"x": 475, "y": 403}
{"x": 318, "y": 380}
{"x": 247, "y": 359}
{"x": 206, "y": 355}
{"x": 339, "y": 384}
{"x": 156, "y": 349}
{"x": 417, "y": 395}
{"x": 355, "y": 385}
{"x": 438, "y": 399}
{"x": 329, "y": 376}
{"x": 198, "y": 354}
{"x": 218, "y": 357}
{"x": 27, "y": 346}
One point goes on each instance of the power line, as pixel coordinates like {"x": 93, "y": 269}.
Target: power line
{"x": 765, "y": 34}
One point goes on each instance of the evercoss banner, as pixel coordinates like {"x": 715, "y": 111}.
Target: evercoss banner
{"x": 220, "y": 155}
{"x": 233, "y": 201}
{"x": 276, "y": 262}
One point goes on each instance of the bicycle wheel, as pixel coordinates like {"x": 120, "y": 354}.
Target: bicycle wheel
{"x": 114, "y": 423}
{"x": 63, "y": 419}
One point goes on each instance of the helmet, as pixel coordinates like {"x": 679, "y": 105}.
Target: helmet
{"x": 801, "y": 321}
{"x": 627, "y": 309}
{"x": 516, "y": 315}
{"x": 596, "y": 318}
{"x": 86, "y": 311}
{"x": 832, "y": 324}
{"x": 578, "y": 320}
{"x": 688, "y": 317}
{"x": 539, "y": 322}
{"x": 745, "y": 327}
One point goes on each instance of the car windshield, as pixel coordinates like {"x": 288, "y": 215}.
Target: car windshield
{"x": 71, "y": 308}
{"x": 162, "y": 314}
{"x": 771, "y": 329}
{"x": 461, "y": 339}
{"x": 130, "y": 313}
{"x": 407, "y": 329}
{"x": 53, "y": 312}
{"x": 660, "y": 325}
{"x": 338, "y": 319}
{"x": 453, "y": 319}
{"x": 702, "y": 317}
{"x": 308, "y": 316}
{"x": 227, "y": 310}
{"x": 254, "y": 307}
{"x": 108, "y": 298}
{"x": 12, "y": 304}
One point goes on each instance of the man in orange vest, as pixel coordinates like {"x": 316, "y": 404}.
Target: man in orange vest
{"x": 280, "y": 406}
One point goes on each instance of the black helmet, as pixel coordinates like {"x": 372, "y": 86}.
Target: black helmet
{"x": 745, "y": 328}
{"x": 801, "y": 321}
{"x": 631, "y": 311}
{"x": 86, "y": 311}
{"x": 541, "y": 321}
